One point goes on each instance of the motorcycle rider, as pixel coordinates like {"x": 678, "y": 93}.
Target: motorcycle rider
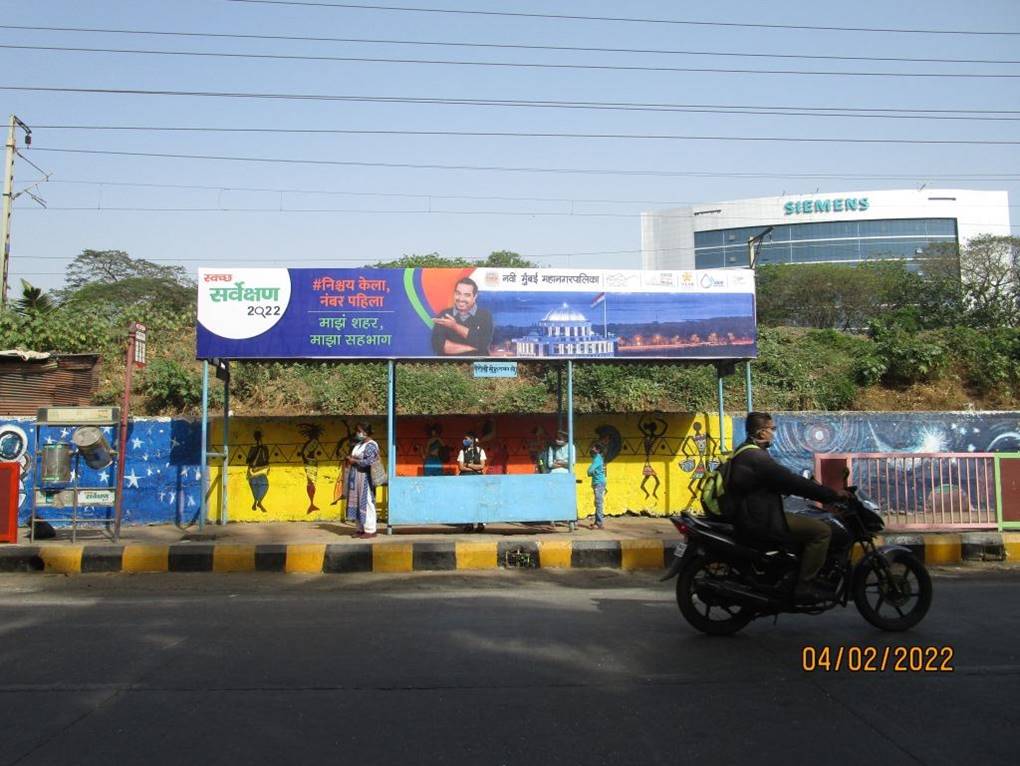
{"x": 755, "y": 492}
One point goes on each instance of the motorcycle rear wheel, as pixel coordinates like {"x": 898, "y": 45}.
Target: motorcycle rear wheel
{"x": 714, "y": 618}
{"x": 899, "y": 611}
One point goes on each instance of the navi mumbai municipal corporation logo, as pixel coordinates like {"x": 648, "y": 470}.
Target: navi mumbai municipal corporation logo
{"x": 242, "y": 303}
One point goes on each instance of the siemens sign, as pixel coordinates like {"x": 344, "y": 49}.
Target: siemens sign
{"x": 841, "y": 205}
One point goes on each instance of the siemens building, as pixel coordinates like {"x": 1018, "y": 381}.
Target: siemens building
{"x": 846, "y": 227}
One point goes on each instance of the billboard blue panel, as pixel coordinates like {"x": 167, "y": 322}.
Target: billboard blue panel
{"x": 482, "y": 313}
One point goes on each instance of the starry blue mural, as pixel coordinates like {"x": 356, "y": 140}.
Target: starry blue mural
{"x": 162, "y": 476}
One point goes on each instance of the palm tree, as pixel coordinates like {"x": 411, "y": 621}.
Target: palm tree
{"x": 34, "y": 300}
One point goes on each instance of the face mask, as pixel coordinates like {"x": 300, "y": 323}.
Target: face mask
{"x": 360, "y": 437}
{"x": 560, "y": 443}
{"x": 467, "y": 442}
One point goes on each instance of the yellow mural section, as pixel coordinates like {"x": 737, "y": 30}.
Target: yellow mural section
{"x": 287, "y": 468}
{"x": 656, "y": 461}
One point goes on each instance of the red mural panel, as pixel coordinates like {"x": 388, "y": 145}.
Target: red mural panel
{"x": 512, "y": 443}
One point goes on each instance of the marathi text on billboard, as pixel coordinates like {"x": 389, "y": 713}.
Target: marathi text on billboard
{"x": 487, "y": 313}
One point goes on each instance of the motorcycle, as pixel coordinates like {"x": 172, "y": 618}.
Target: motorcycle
{"x": 723, "y": 582}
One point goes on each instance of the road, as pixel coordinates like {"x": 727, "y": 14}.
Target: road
{"x": 541, "y": 667}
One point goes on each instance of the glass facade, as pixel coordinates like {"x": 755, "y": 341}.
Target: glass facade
{"x": 830, "y": 241}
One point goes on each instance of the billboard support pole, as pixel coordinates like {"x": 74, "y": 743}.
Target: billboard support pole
{"x": 571, "y": 452}
{"x": 559, "y": 397}
{"x": 226, "y": 451}
{"x": 747, "y": 385}
{"x": 204, "y": 507}
{"x": 391, "y": 436}
{"x": 722, "y": 413}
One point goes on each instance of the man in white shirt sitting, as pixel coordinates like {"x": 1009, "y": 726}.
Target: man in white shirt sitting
{"x": 559, "y": 455}
{"x": 471, "y": 462}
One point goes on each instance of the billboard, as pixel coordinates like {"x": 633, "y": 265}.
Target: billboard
{"x": 485, "y": 313}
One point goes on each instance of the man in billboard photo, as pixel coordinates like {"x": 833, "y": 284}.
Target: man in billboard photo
{"x": 464, "y": 329}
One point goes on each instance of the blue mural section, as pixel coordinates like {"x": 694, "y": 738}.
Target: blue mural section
{"x": 800, "y": 435}
{"x": 162, "y": 476}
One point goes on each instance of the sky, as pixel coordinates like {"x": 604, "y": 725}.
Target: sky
{"x": 317, "y": 209}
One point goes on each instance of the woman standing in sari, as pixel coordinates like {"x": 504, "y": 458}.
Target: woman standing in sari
{"x": 360, "y": 489}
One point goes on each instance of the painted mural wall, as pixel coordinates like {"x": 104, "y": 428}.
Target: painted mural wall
{"x": 286, "y": 469}
{"x": 162, "y": 474}
{"x": 800, "y": 435}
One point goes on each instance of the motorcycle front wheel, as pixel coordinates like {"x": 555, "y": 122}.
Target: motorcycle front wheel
{"x": 709, "y": 615}
{"x": 896, "y": 595}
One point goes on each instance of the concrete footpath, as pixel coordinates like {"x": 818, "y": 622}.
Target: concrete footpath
{"x": 629, "y": 543}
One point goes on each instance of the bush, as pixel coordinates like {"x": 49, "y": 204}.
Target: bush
{"x": 910, "y": 358}
{"x": 169, "y": 386}
{"x": 987, "y": 361}
{"x": 348, "y": 388}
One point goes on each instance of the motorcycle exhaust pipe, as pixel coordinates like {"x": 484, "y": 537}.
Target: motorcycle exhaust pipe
{"x": 734, "y": 593}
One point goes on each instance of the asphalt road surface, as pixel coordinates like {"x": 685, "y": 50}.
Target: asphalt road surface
{"x": 505, "y": 668}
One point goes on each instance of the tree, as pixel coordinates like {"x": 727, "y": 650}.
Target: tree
{"x": 507, "y": 259}
{"x": 423, "y": 261}
{"x": 829, "y": 295}
{"x": 989, "y": 273}
{"x": 939, "y": 299}
{"x": 112, "y": 280}
{"x": 977, "y": 287}
{"x": 108, "y": 266}
{"x": 34, "y": 301}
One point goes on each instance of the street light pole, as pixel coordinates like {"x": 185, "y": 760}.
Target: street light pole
{"x": 754, "y": 247}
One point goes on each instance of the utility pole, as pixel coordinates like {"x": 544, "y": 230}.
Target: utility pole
{"x": 5, "y": 222}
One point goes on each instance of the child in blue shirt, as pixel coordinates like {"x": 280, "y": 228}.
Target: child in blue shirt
{"x": 597, "y": 471}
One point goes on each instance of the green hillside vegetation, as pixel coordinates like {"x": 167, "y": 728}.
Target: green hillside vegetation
{"x": 832, "y": 337}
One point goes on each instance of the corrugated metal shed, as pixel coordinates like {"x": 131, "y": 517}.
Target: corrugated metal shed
{"x": 57, "y": 379}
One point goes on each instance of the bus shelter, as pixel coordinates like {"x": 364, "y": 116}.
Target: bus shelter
{"x": 492, "y": 317}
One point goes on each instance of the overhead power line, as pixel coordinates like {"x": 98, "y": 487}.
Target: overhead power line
{"x": 627, "y": 19}
{"x": 227, "y": 187}
{"x": 425, "y": 166}
{"x": 490, "y": 102}
{"x": 506, "y": 64}
{"x": 347, "y": 193}
{"x": 379, "y": 211}
{"x": 505, "y": 46}
{"x": 459, "y": 133}
{"x": 321, "y": 210}
{"x": 341, "y": 259}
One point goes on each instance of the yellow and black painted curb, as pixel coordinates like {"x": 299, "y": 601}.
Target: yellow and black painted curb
{"x": 430, "y": 556}
{"x": 380, "y": 556}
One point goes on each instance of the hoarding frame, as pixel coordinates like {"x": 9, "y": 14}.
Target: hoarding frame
{"x": 565, "y": 502}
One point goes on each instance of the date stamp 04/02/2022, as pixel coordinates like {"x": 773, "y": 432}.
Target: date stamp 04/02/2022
{"x": 877, "y": 659}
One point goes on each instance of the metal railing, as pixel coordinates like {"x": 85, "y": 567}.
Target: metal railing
{"x": 946, "y": 490}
